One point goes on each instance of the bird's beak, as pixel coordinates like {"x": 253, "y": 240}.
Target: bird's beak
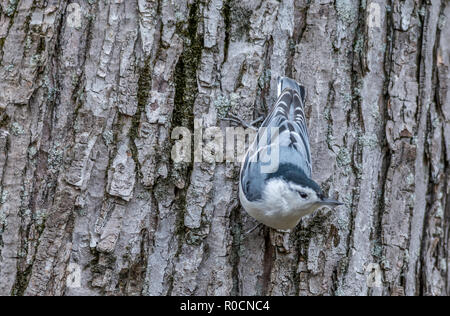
{"x": 330, "y": 202}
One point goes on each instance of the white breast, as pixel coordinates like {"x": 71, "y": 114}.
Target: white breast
{"x": 277, "y": 210}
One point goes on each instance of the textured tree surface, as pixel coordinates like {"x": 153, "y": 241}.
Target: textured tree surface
{"x": 91, "y": 202}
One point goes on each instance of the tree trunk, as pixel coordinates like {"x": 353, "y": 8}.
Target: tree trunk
{"x": 91, "y": 202}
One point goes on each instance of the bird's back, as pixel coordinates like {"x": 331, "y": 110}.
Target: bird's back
{"x": 288, "y": 116}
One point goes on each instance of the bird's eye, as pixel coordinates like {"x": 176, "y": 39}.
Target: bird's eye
{"x": 303, "y": 195}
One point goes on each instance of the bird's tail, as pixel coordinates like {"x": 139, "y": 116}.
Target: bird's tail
{"x": 285, "y": 83}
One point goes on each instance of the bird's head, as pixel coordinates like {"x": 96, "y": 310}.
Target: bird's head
{"x": 296, "y": 191}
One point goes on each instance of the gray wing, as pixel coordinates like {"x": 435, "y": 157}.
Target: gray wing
{"x": 288, "y": 116}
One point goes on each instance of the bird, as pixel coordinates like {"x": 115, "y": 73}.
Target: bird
{"x": 279, "y": 194}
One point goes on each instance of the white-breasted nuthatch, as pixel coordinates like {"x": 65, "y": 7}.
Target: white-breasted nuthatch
{"x": 279, "y": 198}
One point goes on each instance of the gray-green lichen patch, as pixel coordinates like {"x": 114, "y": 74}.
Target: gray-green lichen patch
{"x": 347, "y": 100}
{"x": 32, "y": 151}
{"x": 4, "y": 196}
{"x": 17, "y": 129}
{"x": 346, "y": 12}
{"x": 28, "y": 43}
{"x": 377, "y": 250}
{"x": 75, "y": 79}
{"x": 348, "y": 200}
{"x": 359, "y": 44}
{"x": 55, "y": 158}
{"x": 51, "y": 95}
{"x": 82, "y": 212}
{"x": 179, "y": 17}
{"x": 3, "y": 219}
{"x": 35, "y": 60}
{"x": 443, "y": 264}
{"x": 225, "y": 104}
{"x": 410, "y": 179}
{"x": 344, "y": 221}
{"x": 51, "y": 91}
{"x": 439, "y": 212}
{"x": 369, "y": 141}
{"x": 385, "y": 264}
{"x": 343, "y": 158}
{"x": 108, "y": 137}
{"x": 375, "y": 112}
{"x": 331, "y": 139}
{"x": 327, "y": 115}
{"x": 195, "y": 237}
{"x": 422, "y": 11}
{"x": 40, "y": 217}
{"x": 363, "y": 4}
{"x": 11, "y": 7}
{"x": 27, "y": 212}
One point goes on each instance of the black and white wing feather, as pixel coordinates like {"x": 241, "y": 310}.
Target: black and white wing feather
{"x": 288, "y": 115}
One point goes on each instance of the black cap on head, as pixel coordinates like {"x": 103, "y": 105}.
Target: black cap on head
{"x": 294, "y": 174}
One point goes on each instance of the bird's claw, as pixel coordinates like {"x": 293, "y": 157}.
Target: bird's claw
{"x": 236, "y": 119}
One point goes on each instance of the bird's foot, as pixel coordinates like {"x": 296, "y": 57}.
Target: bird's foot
{"x": 237, "y": 120}
{"x": 253, "y": 229}
{"x": 245, "y": 235}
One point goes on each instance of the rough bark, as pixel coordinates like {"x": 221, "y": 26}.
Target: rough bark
{"x": 92, "y": 204}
